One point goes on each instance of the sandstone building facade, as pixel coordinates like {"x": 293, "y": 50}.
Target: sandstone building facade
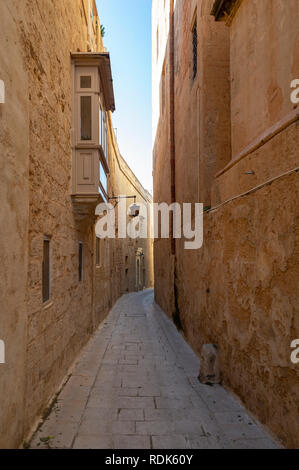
{"x": 59, "y": 159}
{"x": 226, "y": 135}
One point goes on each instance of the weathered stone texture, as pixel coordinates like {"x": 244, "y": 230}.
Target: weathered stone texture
{"x": 14, "y": 193}
{"x": 240, "y": 291}
{"x": 43, "y": 340}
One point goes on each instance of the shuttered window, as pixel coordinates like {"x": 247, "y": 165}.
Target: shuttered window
{"x": 46, "y": 270}
{"x": 194, "y": 47}
{"x": 80, "y": 261}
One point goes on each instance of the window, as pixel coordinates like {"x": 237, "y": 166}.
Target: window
{"x": 98, "y": 251}
{"x": 92, "y": 10}
{"x": 103, "y": 180}
{"x": 104, "y": 135}
{"x": 194, "y": 48}
{"x": 163, "y": 90}
{"x": 80, "y": 261}
{"x": 100, "y": 124}
{"x": 46, "y": 270}
{"x": 85, "y": 81}
{"x": 85, "y": 117}
{"x": 90, "y": 119}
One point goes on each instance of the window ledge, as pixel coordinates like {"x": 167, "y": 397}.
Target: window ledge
{"x": 48, "y": 304}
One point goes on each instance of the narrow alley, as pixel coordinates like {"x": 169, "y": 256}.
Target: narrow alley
{"x": 135, "y": 386}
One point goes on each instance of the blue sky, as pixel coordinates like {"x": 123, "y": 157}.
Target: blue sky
{"x": 128, "y": 39}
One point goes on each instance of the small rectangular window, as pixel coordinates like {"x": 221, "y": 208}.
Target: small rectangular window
{"x": 104, "y": 135}
{"x": 163, "y": 90}
{"x": 85, "y": 117}
{"x": 100, "y": 125}
{"x": 46, "y": 270}
{"x": 80, "y": 261}
{"x": 194, "y": 47}
{"x": 98, "y": 251}
{"x": 85, "y": 81}
{"x": 103, "y": 179}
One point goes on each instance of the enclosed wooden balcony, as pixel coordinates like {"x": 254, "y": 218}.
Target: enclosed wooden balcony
{"x": 93, "y": 98}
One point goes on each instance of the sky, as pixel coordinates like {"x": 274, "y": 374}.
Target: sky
{"x": 128, "y": 39}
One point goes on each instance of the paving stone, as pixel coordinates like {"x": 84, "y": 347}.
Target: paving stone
{"x": 93, "y": 442}
{"x": 170, "y": 442}
{"x": 189, "y": 427}
{"x": 233, "y": 417}
{"x": 105, "y": 414}
{"x": 56, "y": 435}
{"x": 149, "y": 391}
{"x": 132, "y": 442}
{"x": 93, "y": 426}
{"x": 127, "y": 392}
{"x": 242, "y": 431}
{"x": 76, "y": 393}
{"x": 159, "y": 428}
{"x": 135, "y": 386}
{"x": 262, "y": 443}
{"x": 101, "y": 402}
{"x": 135, "y": 402}
{"x": 131, "y": 415}
{"x": 204, "y": 443}
{"x": 162, "y": 402}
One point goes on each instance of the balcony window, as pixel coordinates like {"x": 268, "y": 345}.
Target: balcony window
{"x": 92, "y": 100}
{"x": 104, "y": 135}
{"x": 85, "y": 81}
{"x": 100, "y": 124}
{"x": 85, "y": 117}
{"x": 103, "y": 181}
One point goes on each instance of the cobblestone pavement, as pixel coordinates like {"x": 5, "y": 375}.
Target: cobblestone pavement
{"x": 135, "y": 386}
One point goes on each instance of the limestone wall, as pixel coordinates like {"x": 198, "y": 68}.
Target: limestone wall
{"x": 49, "y": 31}
{"x": 240, "y": 291}
{"x": 14, "y": 193}
{"x": 43, "y": 339}
{"x": 264, "y": 61}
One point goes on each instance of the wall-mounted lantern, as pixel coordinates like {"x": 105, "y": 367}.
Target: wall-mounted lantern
{"x": 134, "y": 209}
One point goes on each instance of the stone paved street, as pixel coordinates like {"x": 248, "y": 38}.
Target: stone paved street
{"x": 135, "y": 386}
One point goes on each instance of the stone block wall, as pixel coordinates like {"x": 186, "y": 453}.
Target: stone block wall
{"x": 43, "y": 339}
{"x": 240, "y": 290}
